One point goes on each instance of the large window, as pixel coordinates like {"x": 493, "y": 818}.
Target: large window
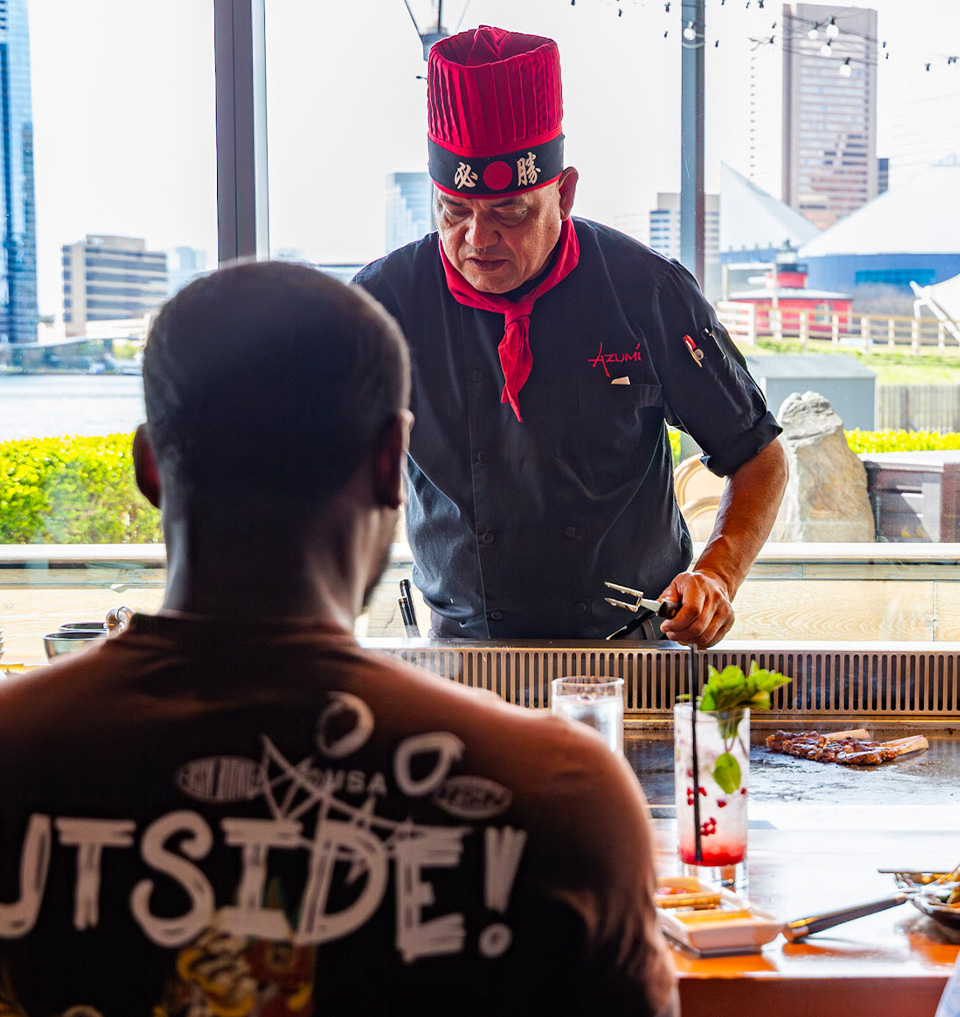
{"x": 112, "y": 136}
{"x": 109, "y": 140}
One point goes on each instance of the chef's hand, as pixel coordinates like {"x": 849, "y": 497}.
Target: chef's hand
{"x": 705, "y": 615}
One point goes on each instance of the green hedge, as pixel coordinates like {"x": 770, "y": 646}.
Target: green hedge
{"x": 872, "y": 441}
{"x": 82, "y": 491}
{"x": 674, "y": 435}
{"x": 73, "y": 490}
{"x": 900, "y": 441}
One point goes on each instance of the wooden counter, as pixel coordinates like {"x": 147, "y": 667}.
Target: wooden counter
{"x": 893, "y": 962}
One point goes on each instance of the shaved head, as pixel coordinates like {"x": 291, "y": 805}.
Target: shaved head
{"x": 270, "y": 377}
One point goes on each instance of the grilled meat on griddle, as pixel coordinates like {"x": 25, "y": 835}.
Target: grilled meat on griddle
{"x": 849, "y": 748}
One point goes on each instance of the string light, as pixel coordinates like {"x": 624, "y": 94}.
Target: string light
{"x": 831, "y": 31}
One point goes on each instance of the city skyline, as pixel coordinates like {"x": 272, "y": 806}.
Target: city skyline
{"x": 18, "y": 268}
{"x": 829, "y": 128}
{"x": 108, "y": 278}
{"x": 124, "y": 111}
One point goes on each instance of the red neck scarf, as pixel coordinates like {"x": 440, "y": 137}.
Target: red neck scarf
{"x": 514, "y": 349}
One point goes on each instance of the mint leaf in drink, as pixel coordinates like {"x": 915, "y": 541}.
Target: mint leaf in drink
{"x": 727, "y": 772}
{"x": 731, "y": 689}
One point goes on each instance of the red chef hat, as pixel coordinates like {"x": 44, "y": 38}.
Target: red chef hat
{"x": 494, "y": 109}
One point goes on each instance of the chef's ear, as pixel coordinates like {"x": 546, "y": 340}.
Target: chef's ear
{"x": 568, "y": 190}
{"x": 390, "y": 457}
{"x": 145, "y": 466}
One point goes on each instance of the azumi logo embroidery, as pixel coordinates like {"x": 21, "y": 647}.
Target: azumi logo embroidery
{"x": 602, "y": 359}
{"x": 695, "y": 352}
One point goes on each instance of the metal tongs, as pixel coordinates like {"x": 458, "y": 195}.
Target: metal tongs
{"x": 661, "y": 608}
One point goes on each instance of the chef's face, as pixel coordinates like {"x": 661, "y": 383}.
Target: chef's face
{"x": 497, "y": 244}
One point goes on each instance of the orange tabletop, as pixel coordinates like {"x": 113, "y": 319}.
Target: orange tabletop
{"x": 893, "y": 962}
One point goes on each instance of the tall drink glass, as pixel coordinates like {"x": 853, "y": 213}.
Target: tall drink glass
{"x": 717, "y": 803}
{"x": 596, "y": 702}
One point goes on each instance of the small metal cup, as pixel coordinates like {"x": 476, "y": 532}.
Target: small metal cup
{"x": 57, "y": 643}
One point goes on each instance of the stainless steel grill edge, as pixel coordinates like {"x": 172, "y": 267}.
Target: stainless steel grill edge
{"x": 867, "y": 681}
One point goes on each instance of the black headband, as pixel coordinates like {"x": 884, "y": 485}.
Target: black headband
{"x": 481, "y": 177}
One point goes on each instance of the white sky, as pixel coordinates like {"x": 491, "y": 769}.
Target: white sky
{"x": 124, "y": 109}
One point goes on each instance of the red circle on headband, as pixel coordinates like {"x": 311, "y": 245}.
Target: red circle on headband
{"x": 497, "y": 176}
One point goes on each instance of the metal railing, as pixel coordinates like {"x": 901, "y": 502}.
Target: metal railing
{"x": 747, "y": 322}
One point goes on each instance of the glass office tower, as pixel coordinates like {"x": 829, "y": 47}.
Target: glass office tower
{"x": 18, "y": 269}
{"x": 409, "y": 208}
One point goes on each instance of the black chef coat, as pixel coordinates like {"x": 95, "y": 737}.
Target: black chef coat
{"x": 514, "y": 527}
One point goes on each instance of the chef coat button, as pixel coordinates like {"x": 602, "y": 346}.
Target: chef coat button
{"x": 570, "y": 531}
{"x": 580, "y": 608}
{"x": 483, "y": 457}
{"x": 476, "y": 375}
{"x": 496, "y": 615}
{"x": 488, "y": 538}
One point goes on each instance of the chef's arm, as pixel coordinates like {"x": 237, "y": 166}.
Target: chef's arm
{"x": 748, "y": 509}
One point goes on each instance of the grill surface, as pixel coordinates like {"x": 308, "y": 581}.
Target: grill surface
{"x": 931, "y": 777}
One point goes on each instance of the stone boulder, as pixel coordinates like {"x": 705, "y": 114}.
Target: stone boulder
{"x": 826, "y": 497}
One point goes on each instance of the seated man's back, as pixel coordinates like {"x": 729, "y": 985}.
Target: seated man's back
{"x": 293, "y": 825}
{"x": 230, "y": 808}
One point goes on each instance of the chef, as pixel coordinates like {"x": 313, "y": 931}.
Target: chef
{"x": 548, "y": 355}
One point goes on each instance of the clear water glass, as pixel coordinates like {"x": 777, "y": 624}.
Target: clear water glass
{"x": 596, "y": 702}
{"x": 719, "y": 798}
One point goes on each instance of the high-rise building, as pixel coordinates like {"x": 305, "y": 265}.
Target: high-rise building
{"x": 18, "y": 260}
{"x": 665, "y": 226}
{"x": 106, "y": 278}
{"x": 829, "y": 110}
{"x": 409, "y": 208}
{"x": 189, "y": 263}
{"x": 763, "y": 165}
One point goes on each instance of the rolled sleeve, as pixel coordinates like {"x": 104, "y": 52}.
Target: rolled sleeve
{"x": 707, "y": 388}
